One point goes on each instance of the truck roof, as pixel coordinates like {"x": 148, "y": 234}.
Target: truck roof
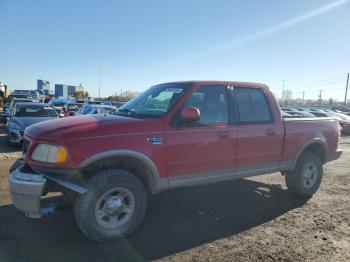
{"x": 217, "y": 82}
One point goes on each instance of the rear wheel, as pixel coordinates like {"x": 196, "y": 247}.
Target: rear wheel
{"x": 113, "y": 206}
{"x": 306, "y": 178}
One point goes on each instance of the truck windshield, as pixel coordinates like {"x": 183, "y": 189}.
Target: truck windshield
{"x": 154, "y": 102}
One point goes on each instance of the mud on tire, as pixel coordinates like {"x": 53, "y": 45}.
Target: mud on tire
{"x": 99, "y": 212}
{"x": 306, "y": 178}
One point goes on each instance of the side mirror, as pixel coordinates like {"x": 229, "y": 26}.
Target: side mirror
{"x": 71, "y": 114}
{"x": 190, "y": 115}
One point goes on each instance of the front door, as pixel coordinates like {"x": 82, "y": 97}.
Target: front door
{"x": 204, "y": 150}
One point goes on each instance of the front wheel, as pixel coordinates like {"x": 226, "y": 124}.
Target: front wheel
{"x": 113, "y": 206}
{"x": 306, "y": 178}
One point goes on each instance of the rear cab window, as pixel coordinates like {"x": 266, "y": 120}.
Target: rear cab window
{"x": 252, "y": 105}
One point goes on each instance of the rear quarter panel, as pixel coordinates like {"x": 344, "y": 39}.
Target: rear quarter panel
{"x": 301, "y": 132}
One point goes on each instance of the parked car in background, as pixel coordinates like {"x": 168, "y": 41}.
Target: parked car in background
{"x": 6, "y": 106}
{"x": 287, "y": 115}
{"x": 285, "y": 109}
{"x": 307, "y": 110}
{"x": 344, "y": 120}
{"x": 90, "y": 109}
{"x": 173, "y": 135}
{"x": 297, "y": 112}
{"x": 300, "y": 114}
{"x": 24, "y": 115}
{"x": 16, "y": 100}
{"x": 343, "y": 110}
{"x": 93, "y": 102}
{"x": 58, "y": 104}
{"x": 71, "y": 108}
{"x": 322, "y": 114}
{"x": 4, "y": 116}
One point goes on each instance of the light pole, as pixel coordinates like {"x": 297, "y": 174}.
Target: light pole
{"x": 320, "y": 97}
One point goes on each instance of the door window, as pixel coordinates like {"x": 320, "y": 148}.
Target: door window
{"x": 211, "y": 101}
{"x": 252, "y": 105}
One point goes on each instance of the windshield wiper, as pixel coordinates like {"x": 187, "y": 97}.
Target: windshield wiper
{"x": 132, "y": 113}
{"x": 128, "y": 112}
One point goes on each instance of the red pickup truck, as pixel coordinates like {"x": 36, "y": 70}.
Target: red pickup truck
{"x": 172, "y": 135}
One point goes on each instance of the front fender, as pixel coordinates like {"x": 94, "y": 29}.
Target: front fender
{"x": 156, "y": 182}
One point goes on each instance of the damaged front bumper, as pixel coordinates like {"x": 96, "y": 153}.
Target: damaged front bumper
{"x": 27, "y": 190}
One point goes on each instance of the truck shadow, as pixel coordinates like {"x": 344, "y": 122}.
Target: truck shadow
{"x": 175, "y": 221}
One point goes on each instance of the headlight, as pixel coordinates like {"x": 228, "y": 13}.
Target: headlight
{"x": 49, "y": 153}
{"x": 13, "y": 125}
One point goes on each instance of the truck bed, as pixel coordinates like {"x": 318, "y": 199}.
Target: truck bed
{"x": 300, "y": 132}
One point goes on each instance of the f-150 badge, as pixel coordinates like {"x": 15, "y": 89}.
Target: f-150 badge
{"x": 155, "y": 140}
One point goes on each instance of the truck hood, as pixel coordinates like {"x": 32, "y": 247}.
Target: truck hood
{"x": 85, "y": 126}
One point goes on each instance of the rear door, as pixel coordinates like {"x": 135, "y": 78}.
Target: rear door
{"x": 260, "y": 133}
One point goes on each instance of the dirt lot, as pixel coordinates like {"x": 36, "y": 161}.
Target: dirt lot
{"x": 243, "y": 220}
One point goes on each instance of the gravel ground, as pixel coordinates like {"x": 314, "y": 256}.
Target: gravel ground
{"x": 253, "y": 219}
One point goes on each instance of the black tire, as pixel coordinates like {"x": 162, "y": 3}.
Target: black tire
{"x": 305, "y": 185}
{"x": 99, "y": 185}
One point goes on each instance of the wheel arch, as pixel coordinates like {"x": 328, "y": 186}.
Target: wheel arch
{"x": 135, "y": 162}
{"x": 315, "y": 146}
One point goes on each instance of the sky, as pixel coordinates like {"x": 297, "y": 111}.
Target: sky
{"x": 136, "y": 44}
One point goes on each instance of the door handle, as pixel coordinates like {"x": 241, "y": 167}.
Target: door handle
{"x": 270, "y": 132}
{"x": 223, "y": 134}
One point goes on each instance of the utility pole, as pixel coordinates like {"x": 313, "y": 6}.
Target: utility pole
{"x": 320, "y": 96}
{"x": 99, "y": 83}
{"x": 303, "y": 98}
{"x": 346, "y": 90}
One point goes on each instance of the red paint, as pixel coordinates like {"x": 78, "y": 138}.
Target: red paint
{"x": 190, "y": 114}
{"x": 185, "y": 150}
